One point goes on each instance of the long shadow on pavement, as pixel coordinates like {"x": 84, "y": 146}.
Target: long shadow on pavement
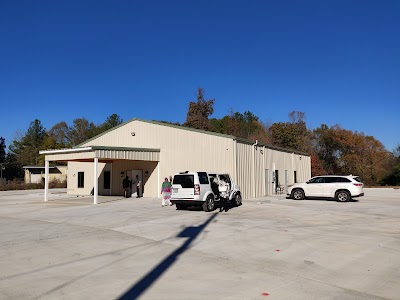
{"x": 141, "y": 286}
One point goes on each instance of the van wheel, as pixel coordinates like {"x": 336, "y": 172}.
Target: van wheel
{"x": 237, "y": 201}
{"x": 343, "y": 196}
{"x": 209, "y": 205}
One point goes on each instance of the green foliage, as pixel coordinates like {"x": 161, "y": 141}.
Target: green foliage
{"x": 57, "y": 137}
{"x": 2, "y": 150}
{"x": 111, "y": 122}
{"x": 13, "y": 169}
{"x": 199, "y": 111}
{"x": 393, "y": 178}
{"x": 26, "y": 149}
{"x": 80, "y": 131}
{"x": 292, "y": 135}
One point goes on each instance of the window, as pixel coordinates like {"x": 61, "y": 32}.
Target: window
{"x": 295, "y": 176}
{"x": 316, "y": 180}
{"x": 186, "y": 181}
{"x": 331, "y": 179}
{"x": 203, "y": 178}
{"x": 81, "y": 179}
{"x": 342, "y": 179}
{"x": 107, "y": 180}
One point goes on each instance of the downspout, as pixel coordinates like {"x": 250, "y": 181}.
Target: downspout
{"x": 111, "y": 176}
{"x": 263, "y": 170}
{"x": 158, "y": 179}
{"x": 235, "y": 162}
{"x": 46, "y": 180}
{"x": 95, "y": 181}
{"x": 254, "y": 169}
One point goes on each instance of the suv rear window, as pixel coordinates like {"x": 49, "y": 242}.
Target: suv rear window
{"x": 203, "y": 177}
{"x": 186, "y": 180}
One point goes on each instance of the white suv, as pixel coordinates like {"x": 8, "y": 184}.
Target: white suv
{"x": 342, "y": 188}
{"x": 195, "y": 189}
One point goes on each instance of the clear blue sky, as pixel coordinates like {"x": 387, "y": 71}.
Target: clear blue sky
{"x": 336, "y": 61}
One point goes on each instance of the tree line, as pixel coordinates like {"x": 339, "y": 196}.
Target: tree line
{"x": 333, "y": 150}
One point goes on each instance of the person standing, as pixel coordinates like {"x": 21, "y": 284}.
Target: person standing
{"x": 166, "y": 192}
{"x": 139, "y": 187}
{"x": 125, "y": 186}
{"x": 130, "y": 189}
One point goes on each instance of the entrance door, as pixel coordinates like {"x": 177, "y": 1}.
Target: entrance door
{"x": 276, "y": 180}
{"x": 132, "y": 176}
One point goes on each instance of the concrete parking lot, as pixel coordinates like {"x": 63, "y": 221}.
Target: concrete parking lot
{"x": 268, "y": 248}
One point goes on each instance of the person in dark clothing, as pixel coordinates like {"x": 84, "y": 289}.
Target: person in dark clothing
{"x": 125, "y": 185}
{"x": 130, "y": 189}
{"x": 214, "y": 187}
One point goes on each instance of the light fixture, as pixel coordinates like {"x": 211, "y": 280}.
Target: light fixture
{"x": 133, "y": 133}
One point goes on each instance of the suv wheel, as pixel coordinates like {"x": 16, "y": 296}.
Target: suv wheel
{"x": 209, "y": 205}
{"x": 343, "y": 196}
{"x": 238, "y": 200}
{"x": 298, "y": 194}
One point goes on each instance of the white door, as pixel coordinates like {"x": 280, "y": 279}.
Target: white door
{"x": 315, "y": 187}
{"x": 132, "y": 176}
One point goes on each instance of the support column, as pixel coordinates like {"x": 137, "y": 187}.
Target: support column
{"x": 158, "y": 179}
{"x": 46, "y": 180}
{"x": 96, "y": 181}
{"x": 286, "y": 181}
{"x": 267, "y": 193}
{"x": 273, "y": 179}
{"x": 111, "y": 177}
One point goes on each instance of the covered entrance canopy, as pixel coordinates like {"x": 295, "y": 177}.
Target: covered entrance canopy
{"x": 96, "y": 154}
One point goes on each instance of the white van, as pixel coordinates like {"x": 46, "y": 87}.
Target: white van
{"x": 194, "y": 188}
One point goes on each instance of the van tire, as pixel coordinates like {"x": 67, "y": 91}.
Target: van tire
{"x": 237, "y": 201}
{"x": 209, "y": 204}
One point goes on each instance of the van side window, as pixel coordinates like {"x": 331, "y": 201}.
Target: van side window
{"x": 203, "y": 178}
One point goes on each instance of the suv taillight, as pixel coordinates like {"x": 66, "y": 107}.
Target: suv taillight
{"x": 197, "y": 189}
{"x": 357, "y": 184}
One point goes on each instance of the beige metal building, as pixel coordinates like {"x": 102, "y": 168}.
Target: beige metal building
{"x": 155, "y": 150}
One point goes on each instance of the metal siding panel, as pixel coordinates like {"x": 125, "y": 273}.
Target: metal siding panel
{"x": 128, "y": 155}
{"x": 244, "y": 169}
{"x": 69, "y": 156}
{"x": 73, "y": 169}
{"x": 251, "y": 169}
